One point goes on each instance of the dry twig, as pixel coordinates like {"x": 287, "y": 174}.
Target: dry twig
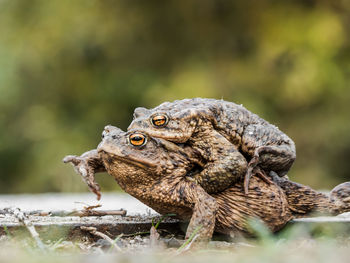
{"x": 81, "y": 213}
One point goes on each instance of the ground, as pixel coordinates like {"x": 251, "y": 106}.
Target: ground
{"x": 301, "y": 249}
{"x": 299, "y": 242}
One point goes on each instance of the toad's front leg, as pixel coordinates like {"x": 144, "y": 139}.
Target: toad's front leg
{"x": 87, "y": 165}
{"x": 169, "y": 194}
{"x": 203, "y": 216}
{"x": 225, "y": 164}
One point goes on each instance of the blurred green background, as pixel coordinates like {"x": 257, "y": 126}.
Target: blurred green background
{"x": 68, "y": 68}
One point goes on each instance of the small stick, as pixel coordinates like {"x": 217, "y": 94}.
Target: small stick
{"x": 90, "y": 207}
{"x": 81, "y": 213}
{"x": 93, "y": 231}
{"x": 23, "y": 218}
{"x": 100, "y": 212}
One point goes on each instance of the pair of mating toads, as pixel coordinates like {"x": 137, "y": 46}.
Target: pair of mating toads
{"x": 196, "y": 158}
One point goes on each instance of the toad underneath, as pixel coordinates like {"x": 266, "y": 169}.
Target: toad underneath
{"x": 155, "y": 171}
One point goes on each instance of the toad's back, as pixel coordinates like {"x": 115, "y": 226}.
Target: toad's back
{"x": 241, "y": 127}
{"x": 225, "y": 134}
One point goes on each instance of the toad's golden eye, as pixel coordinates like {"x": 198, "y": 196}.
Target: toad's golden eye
{"x": 159, "y": 120}
{"x": 137, "y": 139}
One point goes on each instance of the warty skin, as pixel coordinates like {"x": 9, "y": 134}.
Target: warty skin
{"x": 156, "y": 173}
{"x": 225, "y": 135}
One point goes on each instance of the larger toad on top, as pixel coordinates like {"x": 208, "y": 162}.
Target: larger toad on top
{"x": 224, "y": 134}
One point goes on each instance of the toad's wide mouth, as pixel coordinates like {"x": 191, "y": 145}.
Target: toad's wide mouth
{"x": 126, "y": 159}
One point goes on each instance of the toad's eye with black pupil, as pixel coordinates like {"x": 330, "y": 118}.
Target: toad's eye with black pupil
{"x": 137, "y": 139}
{"x": 159, "y": 120}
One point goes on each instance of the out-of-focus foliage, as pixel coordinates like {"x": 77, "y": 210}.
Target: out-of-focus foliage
{"x": 68, "y": 68}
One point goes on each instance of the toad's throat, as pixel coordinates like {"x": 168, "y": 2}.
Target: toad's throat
{"x": 110, "y": 157}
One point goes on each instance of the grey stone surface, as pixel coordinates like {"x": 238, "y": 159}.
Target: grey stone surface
{"x": 66, "y": 201}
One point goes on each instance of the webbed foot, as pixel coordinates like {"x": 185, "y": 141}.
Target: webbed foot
{"x": 86, "y": 171}
{"x": 256, "y": 171}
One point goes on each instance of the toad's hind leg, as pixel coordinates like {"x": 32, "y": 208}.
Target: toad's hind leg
{"x": 270, "y": 149}
{"x": 304, "y": 200}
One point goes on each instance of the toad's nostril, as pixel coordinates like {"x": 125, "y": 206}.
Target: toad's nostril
{"x": 107, "y": 128}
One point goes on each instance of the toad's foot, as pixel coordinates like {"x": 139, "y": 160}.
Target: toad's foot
{"x": 204, "y": 213}
{"x": 257, "y": 171}
{"x": 86, "y": 166}
{"x": 340, "y": 198}
{"x": 270, "y": 158}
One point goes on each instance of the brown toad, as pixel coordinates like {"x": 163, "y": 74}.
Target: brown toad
{"x": 154, "y": 171}
{"x": 224, "y": 134}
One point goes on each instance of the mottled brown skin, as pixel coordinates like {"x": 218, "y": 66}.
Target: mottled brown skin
{"x": 225, "y": 134}
{"x": 303, "y": 200}
{"x": 156, "y": 174}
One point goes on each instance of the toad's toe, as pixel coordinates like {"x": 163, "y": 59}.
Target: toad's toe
{"x": 340, "y": 197}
